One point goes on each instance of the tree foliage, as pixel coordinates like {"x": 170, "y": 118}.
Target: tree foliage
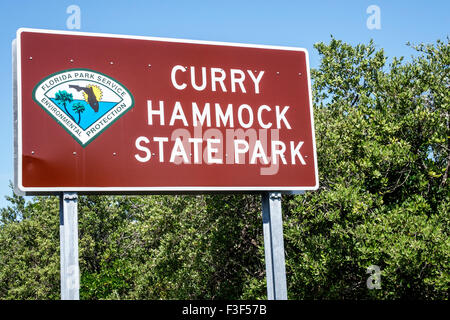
{"x": 383, "y": 148}
{"x": 382, "y": 133}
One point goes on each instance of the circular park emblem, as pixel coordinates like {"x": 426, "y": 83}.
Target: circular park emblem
{"x": 84, "y": 102}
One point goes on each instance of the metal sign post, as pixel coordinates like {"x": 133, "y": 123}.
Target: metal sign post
{"x": 274, "y": 246}
{"x": 68, "y": 228}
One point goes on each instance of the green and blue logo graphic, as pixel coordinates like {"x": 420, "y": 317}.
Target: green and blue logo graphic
{"x": 84, "y": 102}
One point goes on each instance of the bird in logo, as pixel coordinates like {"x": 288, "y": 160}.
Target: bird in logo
{"x": 92, "y": 94}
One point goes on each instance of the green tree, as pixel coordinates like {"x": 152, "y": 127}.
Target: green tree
{"x": 382, "y": 133}
{"x": 29, "y": 249}
{"x": 154, "y": 247}
{"x": 383, "y": 150}
{"x": 64, "y": 98}
{"x": 79, "y": 109}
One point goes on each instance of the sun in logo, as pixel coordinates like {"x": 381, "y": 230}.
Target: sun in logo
{"x": 96, "y": 90}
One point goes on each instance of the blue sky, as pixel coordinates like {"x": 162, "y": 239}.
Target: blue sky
{"x": 285, "y": 23}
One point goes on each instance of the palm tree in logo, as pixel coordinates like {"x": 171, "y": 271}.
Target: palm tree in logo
{"x": 79, "y": 109}
{"x": 64, "y": 98}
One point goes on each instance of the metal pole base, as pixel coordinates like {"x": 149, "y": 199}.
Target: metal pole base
{"x": 274, "y": 246}
{"x": 68, "y": 229}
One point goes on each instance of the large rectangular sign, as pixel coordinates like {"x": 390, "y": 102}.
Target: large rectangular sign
{"x": 125, "y": 114}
